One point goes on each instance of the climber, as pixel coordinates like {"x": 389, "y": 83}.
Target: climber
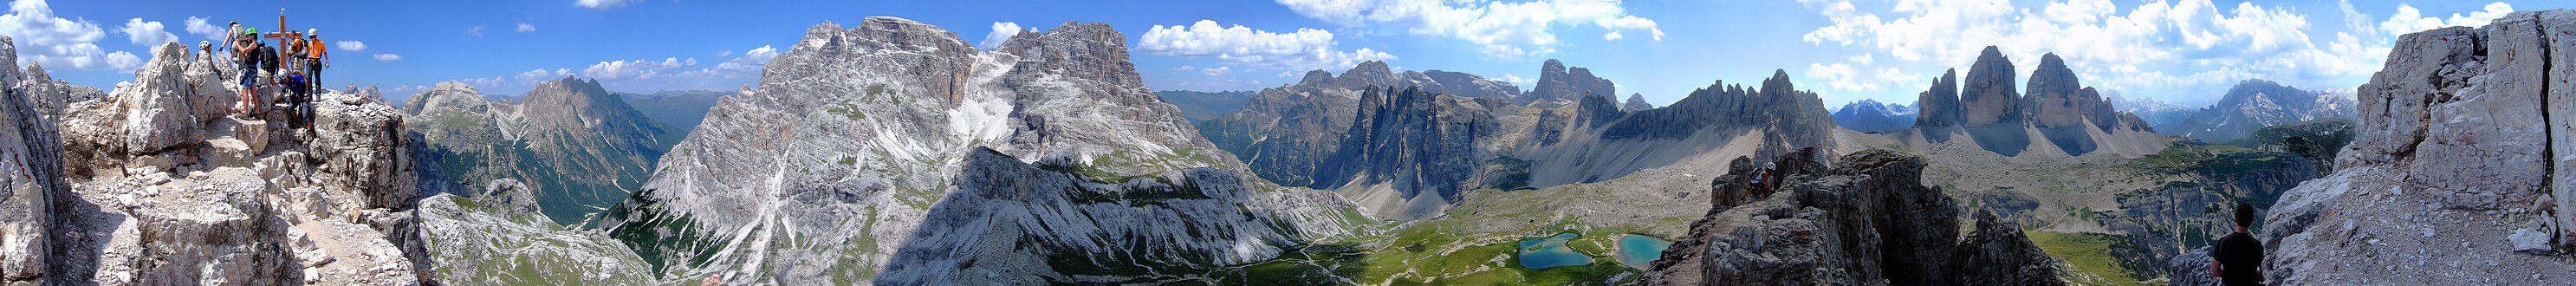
{"x": 245, "y": 49}
{"x": 299, "y": 98}
{"x": 2238, "y": 258}
{"x": 1762, "y": 177}
{"x": 316, "y": 58}
{"x": 294, "y": 49}
{"x": 206, "y": 50}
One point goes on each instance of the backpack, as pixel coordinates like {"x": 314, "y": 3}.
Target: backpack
{"x": 267, "y": 57}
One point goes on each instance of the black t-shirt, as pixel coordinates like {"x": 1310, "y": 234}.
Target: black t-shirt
{"x": 2240, "y": 259}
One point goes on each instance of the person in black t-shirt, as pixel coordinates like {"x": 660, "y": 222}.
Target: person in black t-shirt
{"x": 2238, "y": 258}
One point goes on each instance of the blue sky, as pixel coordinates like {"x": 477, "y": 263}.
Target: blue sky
{"x": 2185, "y": 51}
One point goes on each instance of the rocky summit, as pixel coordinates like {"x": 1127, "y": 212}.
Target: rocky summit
{"x": 154, "y": 184}
{"x": 1867, "y": 221}
{"x": 2449, "y": 180}
{"x": 1558, "y": 82}
{"x": 894, "y": 152}
{"x": 2058, "y": 117}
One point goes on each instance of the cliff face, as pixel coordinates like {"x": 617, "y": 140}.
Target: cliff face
{"x": 2446, "y": 181}
{"x": 1413, "y": 150}
{"x": 1870, "y": 221}
{"x": 1283, "y": 132}
{"x": 2059, "y": 116}
{"x": 892, "y": 152}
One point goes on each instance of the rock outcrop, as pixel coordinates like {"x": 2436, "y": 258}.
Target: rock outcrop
{"x": 893, "y": 152}
{"x": 1869, "y": 221}
{"x": 2058, "y": 117}
{"x": 1412, "y": 151}
{"x": 2254, "y": 104}
{"x": 1555, "y": 81}
{"x": 165, "y": 188}
{"x": 31, "y": 172}
{"x": 2450, "y": 178}
{"x": 1282, "y": 132}
{"x": 1986, "y": 94}
{"x": 1940, "y": 104}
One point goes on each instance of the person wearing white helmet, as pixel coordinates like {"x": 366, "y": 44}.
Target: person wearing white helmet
{"x": 316, "y": 57}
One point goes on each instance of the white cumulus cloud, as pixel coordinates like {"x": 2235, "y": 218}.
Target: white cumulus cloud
{"x": 352, "y": 46}
{"x": 1507, "y": 30}
{"x": 146, "y": 33}
{"x": 526, "y": 28}
{"x": 1306, "y": 49}
{"x": 388, "y": 57}
{"x": 602, "y": 5}
{"x": 1218, "y": 71}
{"x": 635, "y": 69}
{"x": 2180, "y": 50}
{"x": 57, "y": 42}
{"x": 1002, "y": 31}
{"x": 199, "y": 26}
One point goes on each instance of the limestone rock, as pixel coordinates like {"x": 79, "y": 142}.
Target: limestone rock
{"x": 1986, "y": 95}
{"x": 894, "y": 153}
{"x": 1556, "y": 81}
{"x": 1870, "y": 221}
{"x": 1939, "y": 105}
{"x": 31, "y": 176}
{"x": 2445, "y": 147}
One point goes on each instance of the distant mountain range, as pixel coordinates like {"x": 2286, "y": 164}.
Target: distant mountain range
{"x": 1873, "y": 117}
{"x": 2254, "y": 104}
{"x": 581, "y": 148}
{"x": 1403, "y": 149}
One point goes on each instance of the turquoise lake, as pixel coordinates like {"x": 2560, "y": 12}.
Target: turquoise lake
{"x": 1640, "y": 251}
{"x": 1545, "y": 252}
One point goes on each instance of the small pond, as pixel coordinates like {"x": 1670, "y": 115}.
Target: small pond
{"x": 1545, "y": 252}
{"x": 1640, "y": 251}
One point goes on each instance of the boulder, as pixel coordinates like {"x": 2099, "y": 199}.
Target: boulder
{"x": 1869, "y": 221}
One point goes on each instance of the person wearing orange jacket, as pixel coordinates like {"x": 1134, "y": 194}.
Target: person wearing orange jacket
{"x": 316, "y": 57}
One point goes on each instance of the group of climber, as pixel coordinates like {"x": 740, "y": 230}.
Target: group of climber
{"x": 297, "y": 69}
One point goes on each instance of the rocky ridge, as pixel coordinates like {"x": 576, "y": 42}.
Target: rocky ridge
{"x": 2446, "y": 182}
{"x": 1868, "y": 221}
{"x": 1558, "y": 82}
{"x": 2058, "y": 116}
{"x": 894, "y": 152}
{"x": 1282, "y": 132}
{"x": 156, "y": 185}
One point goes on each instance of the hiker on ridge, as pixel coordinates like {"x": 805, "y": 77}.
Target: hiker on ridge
{"x": 2238, "y": 258}
{"x": 315, "y": 58}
